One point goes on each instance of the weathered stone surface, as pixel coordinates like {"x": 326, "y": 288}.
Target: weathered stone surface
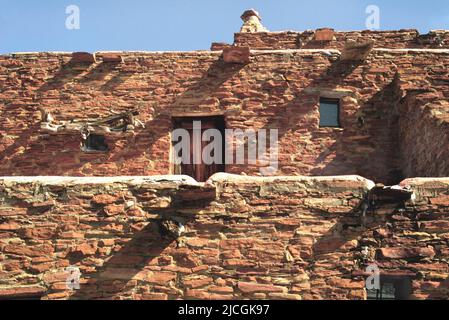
{"x": 248, "y": 95}
{"x": 346, "y": 283}
{"x": 441, "y": 201}
{"x": 21, "y": 292}
{"x": 325, "y": 34}
{"x": 85, "y": 249}
{"x": 245, "y": 237}
{"x": 104, "y": 199}
{"x": 236, "y": 55}
{"x": 83, "y": 57}
{"x": 397, "y": 39}
{"x": 406, "y": 253}
{"x": 435, "y": 226}
{"x": 291, "y": 244}
{"x": 111, "y": 57}
{"x": 249, "y": 287}
{"x": 113, "y": 210}
{"x": 356, "y": 51}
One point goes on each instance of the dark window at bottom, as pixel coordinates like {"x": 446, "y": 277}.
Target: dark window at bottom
{"x": 95, "y": 143}
{"x": 392, "y": 288}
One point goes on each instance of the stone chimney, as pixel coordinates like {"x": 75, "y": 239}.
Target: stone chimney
{"x": 252, "y": 22}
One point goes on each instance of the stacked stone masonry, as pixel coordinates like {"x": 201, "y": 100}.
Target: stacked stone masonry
{"x": 256, "y": 238}
{"x": 399, "y": 82}
{"x": 234, "y": 237}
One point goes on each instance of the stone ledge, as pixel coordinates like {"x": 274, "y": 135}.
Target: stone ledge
{"x": 54, "y": 180}
{"x": 429, "y": 191}
{"x": 425, "y": 182}
{"x": 230, "y": 178}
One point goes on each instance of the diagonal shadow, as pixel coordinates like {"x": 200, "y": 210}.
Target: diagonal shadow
{"x": 66, "y": 74}
{"x": 198, "y": 94}
{"x": 144, "y": 248}
{"x": 373, "y": 163}
{"x": 345, "y": 156}
{"x": 143, "y": 252}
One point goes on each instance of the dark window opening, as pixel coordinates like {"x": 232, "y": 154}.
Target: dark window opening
{"x": 95, "y": 143}
{"x": 392, "y": 288}
{"x": 329, "y": 113}
{"x": 200, "y": 171}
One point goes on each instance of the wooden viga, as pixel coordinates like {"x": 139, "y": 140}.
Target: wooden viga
{"x": 116, "y": 123}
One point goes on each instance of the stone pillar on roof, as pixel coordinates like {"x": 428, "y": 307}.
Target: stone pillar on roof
{"x": 252, "y": 22}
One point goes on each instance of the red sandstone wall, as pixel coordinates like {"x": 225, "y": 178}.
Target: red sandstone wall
{"x": 277, "y": 90}
{"x": 424, "y": 133}
{"x": 305, "y": 40}
{"x": 280, "y": 238}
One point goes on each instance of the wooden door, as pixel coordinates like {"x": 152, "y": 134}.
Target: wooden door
{"x": 200, "y": 171}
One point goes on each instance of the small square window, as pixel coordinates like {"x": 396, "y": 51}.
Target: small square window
{"x": 329, "y": 113}
{"x": 95, "y": 143}
{"x": 392, "y": 288}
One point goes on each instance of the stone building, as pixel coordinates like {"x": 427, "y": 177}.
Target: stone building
{"x": 346, "y": 105}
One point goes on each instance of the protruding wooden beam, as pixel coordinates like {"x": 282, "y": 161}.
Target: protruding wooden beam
{"x": 83, "y": 57}
{"x": 235, "y": 54}
{"x": 356, "y": 51}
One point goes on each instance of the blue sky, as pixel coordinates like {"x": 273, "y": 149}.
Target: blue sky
{"x": 39, "y": 25}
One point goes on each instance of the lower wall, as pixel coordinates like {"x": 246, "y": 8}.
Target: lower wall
{"x": 244, "y": 237}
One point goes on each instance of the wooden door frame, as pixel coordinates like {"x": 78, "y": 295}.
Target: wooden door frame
{"x": 217, "y": 118}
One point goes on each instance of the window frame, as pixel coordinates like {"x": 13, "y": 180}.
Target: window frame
{"x": 197, "y": 171}
{"x": 335, "y": 101}
{"x": 85, "y": 144}
{"x": 402, "y": 286}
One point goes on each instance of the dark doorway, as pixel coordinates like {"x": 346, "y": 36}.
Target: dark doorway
{"x": 200, "y": 171}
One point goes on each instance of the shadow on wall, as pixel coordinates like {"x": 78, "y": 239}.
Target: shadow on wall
{"x": 373, "y": 157}
{"x": 366, "y": 235}
{"x": 369, "y": 151}
{"x": 34, "y": 153}
{"x": 368, "y": 144}
{"x": 371, "y": 146}
{"x": 118, "y": 274}
{"x": 442, "y": 287}
{"x": 128, "y": 155}
{"x": 147, "y": 259}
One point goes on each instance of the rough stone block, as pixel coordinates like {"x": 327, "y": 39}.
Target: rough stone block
{"x": 83, "y": 57}
{"x": 356, "y": 51}
{"x": 111, "y": 57}
{"x": 407, "y": 252}
{"x": 325, "y": 34}
{"x": 240, "y": 55}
